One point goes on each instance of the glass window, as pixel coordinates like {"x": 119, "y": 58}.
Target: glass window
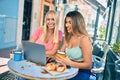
{"x": 116, "y": 22}
{"x": 103, "y": 2}
{"x": 109, "y": 24}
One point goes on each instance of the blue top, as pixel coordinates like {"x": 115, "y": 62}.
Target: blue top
{"x": 74, "y": 53}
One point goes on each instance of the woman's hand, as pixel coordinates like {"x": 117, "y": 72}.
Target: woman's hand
{"x": 50, "y": 59}
{"x": 64, "y": 61}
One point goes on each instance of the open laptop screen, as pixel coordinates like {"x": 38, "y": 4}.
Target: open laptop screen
{"x": 34, "y": 52}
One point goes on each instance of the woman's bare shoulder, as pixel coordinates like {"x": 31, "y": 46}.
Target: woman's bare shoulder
{"x": 41, "y": 28}
{"x": 85, "y": 39}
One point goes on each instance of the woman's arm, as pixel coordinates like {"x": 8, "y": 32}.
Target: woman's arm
{"x": 63, "y": 46}
{"x": 56, "y": 45}
{"x": 36, "y": 34}
{"x": 54, "y": 50}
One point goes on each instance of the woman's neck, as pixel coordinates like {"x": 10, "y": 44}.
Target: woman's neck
{"x": 50, "y": 31}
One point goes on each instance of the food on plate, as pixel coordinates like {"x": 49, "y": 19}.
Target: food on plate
{"x": 55, "y": 67}
{"x": 61, "y": 55}
{"x": 50, "y": 66}
{"x": 61, "y": 68}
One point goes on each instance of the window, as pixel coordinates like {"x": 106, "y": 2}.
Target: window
{"x": 116, "y": 23}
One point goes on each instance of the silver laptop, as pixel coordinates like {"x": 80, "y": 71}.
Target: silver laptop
{"x": 34, "y": 52}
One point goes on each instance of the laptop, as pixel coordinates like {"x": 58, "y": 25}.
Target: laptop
{"x": 34, "y": 52}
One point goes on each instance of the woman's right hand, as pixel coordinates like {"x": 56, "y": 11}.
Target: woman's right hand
{"x": 50, "y": 59}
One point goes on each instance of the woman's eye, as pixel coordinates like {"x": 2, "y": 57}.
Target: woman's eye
{"x": 52, "y": 19}
{"x": 47, "y": 19}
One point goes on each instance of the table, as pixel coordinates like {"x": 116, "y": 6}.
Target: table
{"x": 31, "y": 70}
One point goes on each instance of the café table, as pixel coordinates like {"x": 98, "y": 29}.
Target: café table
{"x": 30, "y": 70}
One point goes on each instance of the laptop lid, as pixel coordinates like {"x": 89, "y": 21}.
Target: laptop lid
{"x": 34, "y": 52}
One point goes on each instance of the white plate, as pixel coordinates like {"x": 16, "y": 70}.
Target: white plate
{"x": 55, "y": 72}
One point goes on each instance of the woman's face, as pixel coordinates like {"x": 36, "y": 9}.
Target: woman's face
{"x": 50, "y": 21}
{"x": 68, "y": 24}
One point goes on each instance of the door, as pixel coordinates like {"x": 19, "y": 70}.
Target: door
{"x": 27, "y": 19}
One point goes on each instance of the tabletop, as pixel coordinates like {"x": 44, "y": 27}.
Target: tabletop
{"x": 31, "y": 70}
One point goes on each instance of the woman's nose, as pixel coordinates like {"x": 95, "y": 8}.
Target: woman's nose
{"x": 66, "y": 25}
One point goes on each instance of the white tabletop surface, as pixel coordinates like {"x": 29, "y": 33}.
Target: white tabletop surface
{"x": 31, "y": 70}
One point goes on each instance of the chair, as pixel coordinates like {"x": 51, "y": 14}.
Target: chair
{"x": 109, "y": 70}
{"x": 7, "y": 76}
{"x": 97, "y": 50}
{"x": 117, "y": 69}
{"x": 98, "y": 67}
{"x": 105, "y": 48}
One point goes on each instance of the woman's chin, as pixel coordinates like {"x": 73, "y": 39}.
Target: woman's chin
{"x": 69, "y": 31}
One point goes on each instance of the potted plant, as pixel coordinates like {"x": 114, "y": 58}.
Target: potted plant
{"x": 102, "y": 32}
{"x": 116, "y": 47}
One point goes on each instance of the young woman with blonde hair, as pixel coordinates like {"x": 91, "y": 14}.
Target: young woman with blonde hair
{"x": 48, "y": 35}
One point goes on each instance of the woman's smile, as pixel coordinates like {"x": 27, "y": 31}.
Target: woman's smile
{"x": 68, "y": 24}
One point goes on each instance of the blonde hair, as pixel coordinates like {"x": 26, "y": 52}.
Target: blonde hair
{"x": 55, "y": 39}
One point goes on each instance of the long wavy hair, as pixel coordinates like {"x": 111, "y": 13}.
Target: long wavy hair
{"x": 55, "y": 39}
{"x": 78, "y": 25}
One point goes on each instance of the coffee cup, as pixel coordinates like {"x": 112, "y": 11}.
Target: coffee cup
{"x": 18, "y": 56}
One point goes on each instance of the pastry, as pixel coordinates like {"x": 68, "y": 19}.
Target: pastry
{"x": 50, "y": 66}
{"x": 61, "y": 68}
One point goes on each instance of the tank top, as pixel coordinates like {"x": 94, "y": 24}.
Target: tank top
{"x": 75, "y": 53}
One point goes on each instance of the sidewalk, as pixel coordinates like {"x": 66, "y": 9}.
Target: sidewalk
{"x": 3, "y": 65}
{"x": 4, "y": 57}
